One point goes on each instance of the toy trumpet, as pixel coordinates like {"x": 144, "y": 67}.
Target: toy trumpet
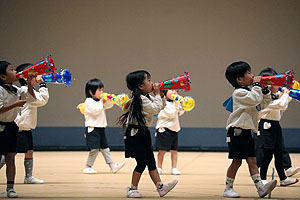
{"x": 81, "y": 108}
{"x": 122, "y": 100}
{"x": 179, "y": 83}
{"x": 187, "y": 103}
{"x": 63, "y": 77}
{"x": 295, "y": 94}
{"x": 283, "y": 80}
{"x": 45, "y": 66}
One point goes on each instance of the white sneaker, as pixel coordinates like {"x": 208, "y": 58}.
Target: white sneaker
{"x": 175, "y": 171}
{"x": 11, "y": 193}
{"x": 288, "y": 181}
{"x": 167, "y": 188}
{"x": 117, "y": 167}
{"x": 292, "y": 171}
{"x": 33, "y": 180}
{"x": 89, "y": 170}
{"x": 159, "y": 170}
{"x": 267, "y": 188}
{"x": 133, "y": 193}
{"x": 231, "y": 193}
{"x": 264, "y": 182}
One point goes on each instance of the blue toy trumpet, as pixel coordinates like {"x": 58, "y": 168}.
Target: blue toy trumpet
{"x": 63, "y": 77}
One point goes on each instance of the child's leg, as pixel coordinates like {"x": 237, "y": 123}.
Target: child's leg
{"x": 92, "y": 157}
{"x": 10, "y": 170}
{"x": 139, "y": 169}
{"x": 268, "y": 155}
{"x": 107, "y": 156}
{"x": 160, "y": 158}
{"x": 233, "y": 168}
{"x": 253, "y": 169}
{"x": 278, "y": 154}
{"x": 174, "y": 158}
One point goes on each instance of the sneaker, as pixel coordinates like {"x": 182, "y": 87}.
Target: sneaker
{"x": 167, "y": 188}
{"x": 231, "y": 193}
{"x": 264, "y": 182}
{"x": 159, "y": 170}
{"x": 89, "y": 170}
{"x": 288, "y": 181}
{"x": 292, "y": 171}
{"x": 133, "y": 193}
{"x": 117, "y": 167}
{"x": 11, "y": 193}
{"x": 267, "y": 188}
{"x": 33, "y": 180}
{"x": 175, "y": 171}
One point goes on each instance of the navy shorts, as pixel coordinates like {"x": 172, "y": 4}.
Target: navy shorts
{"x": 167, "y": 140}
{"x": 8, "y": 137}
{"x": 24, "y": 141}
{"x": 240, "y": 143}
{"x": 96, "y": 139}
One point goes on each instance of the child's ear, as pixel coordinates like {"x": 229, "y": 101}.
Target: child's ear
{"x": 239, "y": 79}
{"x": 3, "y": 77}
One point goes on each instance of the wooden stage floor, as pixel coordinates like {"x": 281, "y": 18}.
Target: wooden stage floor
{"x": 203, "y": 177}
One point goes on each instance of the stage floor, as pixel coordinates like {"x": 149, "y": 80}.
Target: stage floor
{"x": 203, "y": 177}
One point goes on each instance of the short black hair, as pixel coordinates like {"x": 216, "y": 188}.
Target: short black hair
{"x": 3, "y": 67}
{"x": 268, "y": 72}
{"x": 92, "y": 85}
{"x": 236, "y": 70}
{"x": 21, "y": 68}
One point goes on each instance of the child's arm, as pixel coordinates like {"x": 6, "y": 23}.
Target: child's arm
{"x": 42, "y": 97}
{"x": 93, "y": 107}
{"x": 107, "y": 104}
{"x": 18, "y": 103}
{"x": 154, "y": 106}
{"x": 283, "y": 102}
{"x": 248, "y": 98}
{"x": 30, "y": 88}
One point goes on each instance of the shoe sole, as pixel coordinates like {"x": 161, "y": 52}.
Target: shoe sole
{"x": 295, "y": 172}
{"x": 231, "y": 196}
{"x": 170, "y": 189}
{"x": 270, "y": 189}
{"x": 290, "y": 183}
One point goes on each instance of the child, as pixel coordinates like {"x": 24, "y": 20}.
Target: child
{"x": 167, "y": 128}
{"x": 10, "y": 104}
{"x": 271, "y": 134}
{"x": 241, "y": 121}
{"x": 95, "y": 123}
{"x": 137, "y": 137}
{"x": 27, "y": 120}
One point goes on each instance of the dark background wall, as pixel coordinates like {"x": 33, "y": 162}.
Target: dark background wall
{"x": 109, "y": 38}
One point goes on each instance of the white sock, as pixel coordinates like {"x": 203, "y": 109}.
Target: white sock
{"x": 229, "y": 183}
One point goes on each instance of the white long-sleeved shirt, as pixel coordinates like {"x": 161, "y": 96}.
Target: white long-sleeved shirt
{"x": 7, "y": 98}
{"x": 95, "y": 113}
{"x": 275, "y": 109}
{"x": 169, "y": 116}
{"x": 245, "y": 112}
{"x": 27, "y": 118}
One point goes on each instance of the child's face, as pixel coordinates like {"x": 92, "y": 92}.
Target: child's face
{"x": 246, "y": 80}
{"x": 10, "y": 76}
{"x": 170, "y": 92}
{"x": 97, "y": 93}
{"x": 274, "y": 89}
{"x": 146, "y": 87}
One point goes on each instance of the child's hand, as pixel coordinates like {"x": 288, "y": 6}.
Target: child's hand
{"x": 20, "y": 103}
{"x": 29, "y": 79}
{"x": 156, "y": 89}
{"x": 256, "y": 79}
{"x": 39, "y": 79}
{"x": 285, "y": 90}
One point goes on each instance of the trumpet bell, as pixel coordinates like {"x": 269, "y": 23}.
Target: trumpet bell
{"x": 63, "y": 77}
{"x": 81, "y": 108}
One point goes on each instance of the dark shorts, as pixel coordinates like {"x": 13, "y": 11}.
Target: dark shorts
{"x": 8, "y": 137}
{"x": 240, "y": 143}
{"x": 138, "y": 146}
{"x": 24, "y": 141}
{"x": 167, "y": 140}
{"x": 271, "y": 134}
{"x": 96, "y": 139}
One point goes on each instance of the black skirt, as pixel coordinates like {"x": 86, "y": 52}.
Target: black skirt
{"x": 138, "y": 145}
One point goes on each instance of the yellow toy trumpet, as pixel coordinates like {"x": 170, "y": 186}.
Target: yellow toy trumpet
{"x": 120, "y": 100}
{"x": 187, "y": 103}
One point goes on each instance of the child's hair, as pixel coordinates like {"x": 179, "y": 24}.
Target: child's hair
{"x": 135, "y": 113}
{"x": 21, "y": 68}
{"x": 93, "y": 85}
{"x": 3, "y": 67}
{"x": 236, "y": 70}
{"x": 268, "y": 72}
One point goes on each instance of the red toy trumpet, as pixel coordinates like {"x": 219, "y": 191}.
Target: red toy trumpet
{"x": 179, "y": 83}
{"x": 45, "y": 66}
{"x": 283, "y": 80}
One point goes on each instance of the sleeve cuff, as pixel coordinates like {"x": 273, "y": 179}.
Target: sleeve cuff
{"x": 265, "y": 90}
{"x": 257, "y": 84}
{"x": 43, "y": 85}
